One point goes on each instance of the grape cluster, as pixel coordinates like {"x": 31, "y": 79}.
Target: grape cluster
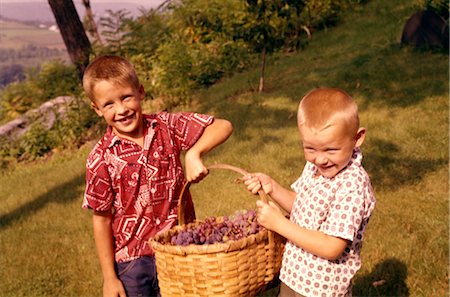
{"x": 215, "y": 230}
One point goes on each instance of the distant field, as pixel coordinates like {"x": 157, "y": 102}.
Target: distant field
{"x": 29, "y": 46}
{"x": 16, "y": 35}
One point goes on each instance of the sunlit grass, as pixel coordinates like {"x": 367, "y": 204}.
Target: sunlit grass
{"x": 46, "y": 238}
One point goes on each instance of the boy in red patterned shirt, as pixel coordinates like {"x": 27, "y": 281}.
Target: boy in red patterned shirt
{"x": 134, "y": 174}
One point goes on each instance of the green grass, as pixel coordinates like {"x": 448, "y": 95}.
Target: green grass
{"x": 46, "y": 239}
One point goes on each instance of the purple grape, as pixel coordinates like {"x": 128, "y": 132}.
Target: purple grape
{"x": 237, "y": 226}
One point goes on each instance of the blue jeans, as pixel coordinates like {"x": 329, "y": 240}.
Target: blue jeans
{"x": 139, "y": 277}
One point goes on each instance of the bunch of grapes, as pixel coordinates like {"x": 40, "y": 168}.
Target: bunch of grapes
{"x": 213, "y": 230}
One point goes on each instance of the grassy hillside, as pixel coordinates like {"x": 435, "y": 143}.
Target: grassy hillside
{"x": 46, "y": 239}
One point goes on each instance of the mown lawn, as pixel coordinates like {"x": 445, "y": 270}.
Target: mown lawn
{"x": 46, "y": 239}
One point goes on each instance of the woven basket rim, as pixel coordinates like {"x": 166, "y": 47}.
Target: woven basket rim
{"x": 226, "y": 247}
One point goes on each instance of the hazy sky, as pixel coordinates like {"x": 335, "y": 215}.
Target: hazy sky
{"x": 140, "y": 2}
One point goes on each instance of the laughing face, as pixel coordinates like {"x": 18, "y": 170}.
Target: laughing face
{"x": 120, "y": 106}
{"x": 330, "y": 149}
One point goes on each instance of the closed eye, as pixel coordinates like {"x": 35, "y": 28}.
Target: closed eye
{"x": 107, "y": 104}
{"x": 332, "y": 150}
{"x": 126, "y": 97}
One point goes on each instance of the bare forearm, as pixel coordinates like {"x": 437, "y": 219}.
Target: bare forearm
{"x": 314, "y": 242}
{"x": 282, "y": 196}
{"x": 214, "y": 135}
{"x": 104, "y": 244}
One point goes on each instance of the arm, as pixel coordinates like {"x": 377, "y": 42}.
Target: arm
{"x": 213, "y": 135}
{"x": 112, "y": 286}
{"x": 314, "y": 242}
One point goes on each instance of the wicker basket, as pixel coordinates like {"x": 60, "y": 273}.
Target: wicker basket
{"x": 237, "y": 268}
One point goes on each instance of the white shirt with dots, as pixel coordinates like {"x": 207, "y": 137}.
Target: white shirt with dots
{"x": 340, "y": 206}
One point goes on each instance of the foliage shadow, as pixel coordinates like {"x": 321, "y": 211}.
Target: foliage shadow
{"x": 389, "y": 76}
{"x": 388, "y": 278}
{"x": 390, "y": 171}
{"x": 63, "y": 193}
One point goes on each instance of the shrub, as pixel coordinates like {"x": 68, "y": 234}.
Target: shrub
{"x": 179, "y": 68}
{"x": 58, "y": 79}
{"x": 172, "y": 72}
{"x": 73, "y": 127}
{"x": 440, "y": 7}
{"x": 76, "y": 126}
{"x": 17, "y": 98}
{"x": 53, "y": 79}
{"x": 324, "y": 13}
{"x": 36, "y": 142}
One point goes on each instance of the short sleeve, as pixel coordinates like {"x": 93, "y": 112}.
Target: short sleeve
{"x": 346, "y": 213}
{"x": 296, "y": 186}
{"x": 98, "y": 194}
{"x": 188, "y": 127}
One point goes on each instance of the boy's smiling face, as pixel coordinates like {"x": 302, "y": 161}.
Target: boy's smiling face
{"x": 120, "y": 106}
{"x": 330, "y": 149}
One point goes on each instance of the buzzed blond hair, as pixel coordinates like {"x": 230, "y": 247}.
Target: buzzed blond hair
{"x": 324, "y": 107}
{"x": 114, "y": 69}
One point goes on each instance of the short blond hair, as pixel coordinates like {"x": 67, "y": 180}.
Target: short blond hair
{"x": 324, "y": 107}
{"x": 114, "y": 69}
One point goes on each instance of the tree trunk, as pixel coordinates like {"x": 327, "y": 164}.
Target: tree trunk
{"x": 72, "y": 32}
{"x": 263, "y": 66}
{"x": 92, "y": 25}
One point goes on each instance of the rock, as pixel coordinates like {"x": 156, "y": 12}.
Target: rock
{"x": 46, "y": 114}
{"x": 426, "y": 29}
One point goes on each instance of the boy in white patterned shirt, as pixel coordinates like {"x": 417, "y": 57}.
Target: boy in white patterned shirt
{"x": 331, "y": 203}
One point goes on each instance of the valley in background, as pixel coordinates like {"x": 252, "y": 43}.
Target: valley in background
{"x": 29, "y": 35}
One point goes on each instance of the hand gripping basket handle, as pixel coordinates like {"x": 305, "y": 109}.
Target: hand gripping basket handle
{"x": 182, "y": 200}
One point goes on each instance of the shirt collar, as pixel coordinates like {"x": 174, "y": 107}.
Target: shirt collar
{"x": 356, "y": 160}
{"x": 110, "y": 139}
{"x": 356, "y": 157}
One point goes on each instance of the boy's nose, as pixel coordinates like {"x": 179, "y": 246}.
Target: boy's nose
{"x": 321, "y": 160}
{"x": 121, "y": 108}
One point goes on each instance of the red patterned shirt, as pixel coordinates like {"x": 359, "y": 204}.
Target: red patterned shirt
{"x": 141, "y": 186}
{"x": 340, "y": 206}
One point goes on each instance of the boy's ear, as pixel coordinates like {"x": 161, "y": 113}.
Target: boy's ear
{"x": 97, "y": 111}
{"x": 360, "y": 136}
{"x": 141, "y": 92}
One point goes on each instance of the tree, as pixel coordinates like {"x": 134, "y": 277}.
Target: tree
{"x": 115, "y": 30}
{"x": 266, "y": 26}
{"x": 90, "y": 22}
{"x": 72, "y": 31}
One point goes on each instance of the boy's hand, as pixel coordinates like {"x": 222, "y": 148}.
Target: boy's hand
{"x": 113, "y": 288}
{"x": 268, "y": 214}
{"x": 195, "y": 170}
{"x": 258, "y": 181}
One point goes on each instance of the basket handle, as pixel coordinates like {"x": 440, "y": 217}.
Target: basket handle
{"x": 184, "y": 190}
